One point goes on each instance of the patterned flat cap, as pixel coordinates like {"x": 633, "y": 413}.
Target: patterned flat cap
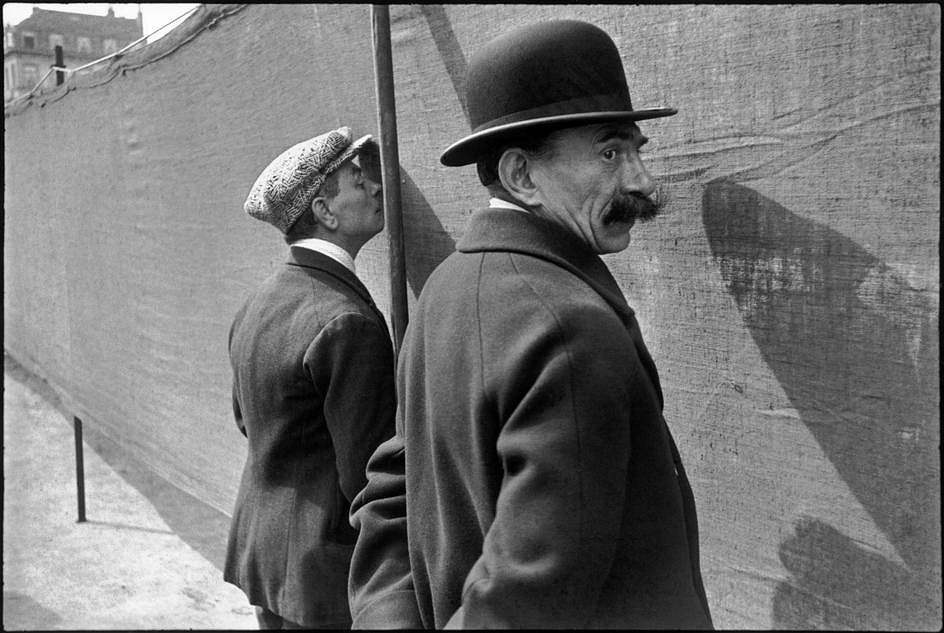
{"x": 287, "y": 186}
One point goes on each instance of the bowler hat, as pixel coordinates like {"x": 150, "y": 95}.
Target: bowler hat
{"x": 550, "y": 74}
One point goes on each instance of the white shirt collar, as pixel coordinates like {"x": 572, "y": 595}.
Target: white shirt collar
{"x": 325, "y": 247}
{"x": 498, "y": 203}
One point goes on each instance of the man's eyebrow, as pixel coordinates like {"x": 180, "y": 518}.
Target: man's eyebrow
{"x": 622, "y": 135}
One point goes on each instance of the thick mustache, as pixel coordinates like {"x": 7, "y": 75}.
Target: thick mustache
{"x": 633, "y": 206}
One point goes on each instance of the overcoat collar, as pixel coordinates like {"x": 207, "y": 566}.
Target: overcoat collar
{"x": 517, "y": 232}
{"x": 501, "y": 230}
{"x": 307, "y": 258}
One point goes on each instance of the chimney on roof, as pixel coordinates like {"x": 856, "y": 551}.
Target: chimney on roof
{"x": 111, "y": 12}
{"x": 140, "y": 20}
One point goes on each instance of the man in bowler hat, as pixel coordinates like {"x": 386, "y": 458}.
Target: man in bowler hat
{"x": 532, "y": 481}
{"x": 313, "y": 384}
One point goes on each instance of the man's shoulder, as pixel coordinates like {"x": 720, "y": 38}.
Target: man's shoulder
{"x": 307, "y": 297}
{"x": 537, "y": 277}
{"x": 505, "y": 288}
{"x": 316, "y": 283}
{"x": 451, "y": 274}
{"x": 498, "y": 271}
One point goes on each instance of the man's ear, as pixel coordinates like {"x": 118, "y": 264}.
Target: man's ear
{"x": 514, "y": 171}
{"x": 323, "y": 214}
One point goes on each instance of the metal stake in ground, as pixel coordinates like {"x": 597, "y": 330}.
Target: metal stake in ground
{"x": 79, "y": 468}
{"x": 60, "y": 76}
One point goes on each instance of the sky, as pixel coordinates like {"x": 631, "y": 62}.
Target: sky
{"x": 155, "y": 15}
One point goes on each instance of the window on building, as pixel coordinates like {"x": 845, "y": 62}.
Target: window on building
{"x": 109, "y": 46}
{"x": 56, "y": 40}
{"x": 84, "y": 45}
{"x": 30, "y": 75}
{"x": 29, "y": 40}
{"x": 10, "y": 41}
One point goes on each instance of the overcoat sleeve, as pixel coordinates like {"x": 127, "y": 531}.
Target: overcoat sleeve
{"x": 237, "y": 410}
{"x": 380, "y": 584}
{"x": 351, "y": 363}
{"x": 561, "y": 382}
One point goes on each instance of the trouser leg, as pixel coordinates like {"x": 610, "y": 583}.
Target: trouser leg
{"x": 331, "y": 626}
{"x": 267, "y": 619}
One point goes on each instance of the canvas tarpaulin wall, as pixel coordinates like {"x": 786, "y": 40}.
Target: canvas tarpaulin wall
{"x": 789, "y": 295}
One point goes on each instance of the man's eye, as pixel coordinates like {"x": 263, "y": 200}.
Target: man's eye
{"x": 610, "y": 154}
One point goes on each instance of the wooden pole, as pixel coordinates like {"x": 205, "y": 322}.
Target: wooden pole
{"x": 79, "y": 468}
{"x": 390, "y": 161}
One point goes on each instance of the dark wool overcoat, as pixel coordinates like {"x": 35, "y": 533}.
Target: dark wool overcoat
{"x": 314, "y": 393}
{"x": 538, "y": 480}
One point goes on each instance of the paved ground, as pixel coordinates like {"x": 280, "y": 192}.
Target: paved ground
{"x": 148, "y": 557}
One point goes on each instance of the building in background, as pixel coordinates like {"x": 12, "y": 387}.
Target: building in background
{"x": 29, "y": 47}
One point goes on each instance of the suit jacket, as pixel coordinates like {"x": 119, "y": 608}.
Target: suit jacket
{"x": 533, "y": 481}
{"x": 313, "y": 391}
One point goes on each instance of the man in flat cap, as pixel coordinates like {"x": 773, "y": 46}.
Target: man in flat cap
{"x": 313, "y": 384}
{"x": 533, "y": 481}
